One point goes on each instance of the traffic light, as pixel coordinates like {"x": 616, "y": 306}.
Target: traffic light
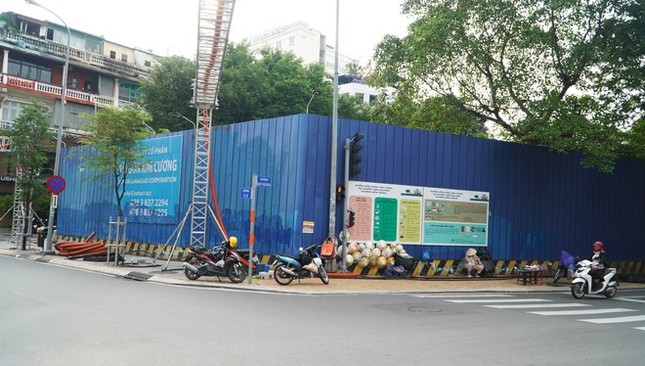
{"x": 340, "y": 193}
{"x": 354, "y": 155}
{"x": 351, "y": 218}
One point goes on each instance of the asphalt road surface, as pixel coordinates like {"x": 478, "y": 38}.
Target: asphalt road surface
{"x": 53, "y": 315}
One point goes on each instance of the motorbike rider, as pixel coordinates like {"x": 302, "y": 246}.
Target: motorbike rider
{"x": 597, "y": 263}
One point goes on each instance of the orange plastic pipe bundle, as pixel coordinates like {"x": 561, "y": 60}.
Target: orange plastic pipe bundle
{"x": 70, "y": 248}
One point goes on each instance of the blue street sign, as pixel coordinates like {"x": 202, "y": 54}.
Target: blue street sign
{"x": 264, "y": 181}
{"x": 245, "y": 193}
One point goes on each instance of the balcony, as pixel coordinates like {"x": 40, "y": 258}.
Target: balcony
{"x": 69, "y": 135}
{"x": 31, "y": 86}
{"x": 89, "y": 58}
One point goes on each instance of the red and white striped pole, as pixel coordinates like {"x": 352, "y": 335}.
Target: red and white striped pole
{"x": 254, "y": 186}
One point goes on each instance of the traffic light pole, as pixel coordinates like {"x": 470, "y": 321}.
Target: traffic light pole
{"x": 343, "y": 237}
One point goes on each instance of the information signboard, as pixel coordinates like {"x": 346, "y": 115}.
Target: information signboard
{"x": 418, "y": 215}
{"x": 152, "y": 190}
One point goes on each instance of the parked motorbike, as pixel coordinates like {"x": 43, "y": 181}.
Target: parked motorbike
{"x": 307, "y": 265}
{"x": 565, "y": 267}
{"x": 583, "y": 284}
{"x": 222, "y": 261}
{"x": 244, "y": 258}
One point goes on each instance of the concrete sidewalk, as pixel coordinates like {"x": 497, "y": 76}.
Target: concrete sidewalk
{"x": 146, "y": 269}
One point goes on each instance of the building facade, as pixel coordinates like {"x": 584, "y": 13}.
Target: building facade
{"x": 32, "y": 59}
{"x": 303, "y": 41}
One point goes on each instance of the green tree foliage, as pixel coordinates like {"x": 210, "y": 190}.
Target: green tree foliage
{"x": 31, "y": 139}
{"x": 8, "y": 22}
{"x": 115, "y": 136}
{"x": 273, "y": 84}
{"x": 634, "y": 146}
{"x": 167, "y": 93}
{"x": 268, "y": 85}
{"x": 565, "y": 74}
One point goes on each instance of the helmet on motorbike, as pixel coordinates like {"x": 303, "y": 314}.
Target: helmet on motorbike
{"x": 232, "y": 242}
{"x": 598, "y": 246}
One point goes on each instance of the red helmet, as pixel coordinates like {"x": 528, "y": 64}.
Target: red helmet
{"x": 598, "y": 244}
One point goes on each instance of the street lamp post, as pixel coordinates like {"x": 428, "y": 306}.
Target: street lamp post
{"x": 334, "y": 143}
{"x": 313, "y": 94}
{"x": 177, "y": 114}
{"x": 59, "y": 137}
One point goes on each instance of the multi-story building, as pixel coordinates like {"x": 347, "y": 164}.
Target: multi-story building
{"x": 311, "y": 46}
{"x": 303, "y": 41}
{"x": 32, "y": 56}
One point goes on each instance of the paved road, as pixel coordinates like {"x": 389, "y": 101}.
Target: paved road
{"x": 53, "y": 315}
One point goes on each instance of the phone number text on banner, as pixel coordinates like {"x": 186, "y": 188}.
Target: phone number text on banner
{"x": 152, "y": 190}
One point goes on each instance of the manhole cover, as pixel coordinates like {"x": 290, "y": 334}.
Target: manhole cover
{"x": 43, "y": 259}
{"x": 137, "y": 276}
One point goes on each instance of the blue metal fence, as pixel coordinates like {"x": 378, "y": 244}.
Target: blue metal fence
{"x": 540, "y": 201}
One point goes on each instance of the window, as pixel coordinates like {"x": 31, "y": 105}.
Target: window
{"x": 128, "y": 92}
{"x": 124, "y": 57}
{"x": 30, "y": 71}
{"x": 11, "y": 110}
{"x": 292, "y": 40}
{"x": 113, "y": 55}
{"x": 92, "y": 46}
{"x": 147, "y": 63}
{"x": 278, "y": 45}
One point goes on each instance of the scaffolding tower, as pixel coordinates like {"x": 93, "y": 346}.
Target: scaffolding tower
{"x": 18, "y": 218}
{"x": 213, "y": 29}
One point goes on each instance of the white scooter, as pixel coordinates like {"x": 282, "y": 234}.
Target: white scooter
{"x": 583, "y": 283}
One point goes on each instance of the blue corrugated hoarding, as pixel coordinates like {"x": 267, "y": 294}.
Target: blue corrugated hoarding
{"x": 541, "y": 202}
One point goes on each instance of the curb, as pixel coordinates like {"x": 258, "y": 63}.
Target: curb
{"x": 154, "y": 274}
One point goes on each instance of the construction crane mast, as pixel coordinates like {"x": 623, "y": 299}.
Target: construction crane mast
{"x": 213, "y": 29}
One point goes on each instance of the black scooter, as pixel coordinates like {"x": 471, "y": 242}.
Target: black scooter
{"x": 222, "y": 261}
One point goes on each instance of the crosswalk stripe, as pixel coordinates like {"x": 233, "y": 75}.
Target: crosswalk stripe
{"x": 534, "y": 306}
{"x": 445, "y": 296}
{"x": 486, "y": 301}
{"x": 624, "y": 319}
{"x": 642, "y": 301}
{"x": 581, "y": 312}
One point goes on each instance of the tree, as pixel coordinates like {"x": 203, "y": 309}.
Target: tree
{"x": 8, "y": 22}
{"x": 167, "y": 93}
{"x": 115, "y": 136}
{"x": 274, "y": 84}
{"x": 439, "y": 113}
{"x": 559, "y": 74}
{"x": 354, "y": 70}
{"x": 634, "y": 145}
{"x": 31, "y": 139}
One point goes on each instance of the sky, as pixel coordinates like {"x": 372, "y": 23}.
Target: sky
{"x": 169, "y": 27}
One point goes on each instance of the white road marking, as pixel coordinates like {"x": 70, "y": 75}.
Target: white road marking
{"x": 640, "y": 300}
{"x": 639, "y": 328}
{"x": 487, "y": 301}
{"x": 581, "y": 312}
{"x": 534, "y": 306}
{"x": 624, "y": 319}
{"x": 445, "y": 296}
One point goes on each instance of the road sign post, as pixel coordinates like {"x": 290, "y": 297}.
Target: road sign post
{"x": 255, "y": 182}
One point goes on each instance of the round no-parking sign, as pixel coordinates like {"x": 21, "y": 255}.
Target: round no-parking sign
{"x": 55, "y": 184}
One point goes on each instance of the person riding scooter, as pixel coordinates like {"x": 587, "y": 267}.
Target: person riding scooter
{"x": 598, "y": 263}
